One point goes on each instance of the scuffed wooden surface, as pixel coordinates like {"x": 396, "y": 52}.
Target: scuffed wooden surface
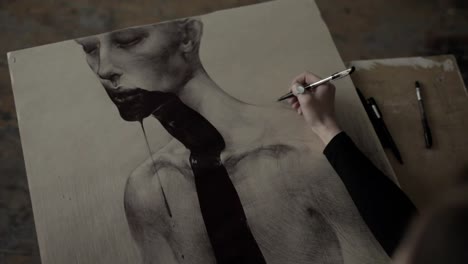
{"x": 426, "y": 174}
{"x": 361, "y": 29}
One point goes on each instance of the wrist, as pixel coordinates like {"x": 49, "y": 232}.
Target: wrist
{"x": 327, "y": 131}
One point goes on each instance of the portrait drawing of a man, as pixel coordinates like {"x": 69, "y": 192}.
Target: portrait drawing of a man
{"x": 231, "y": 186}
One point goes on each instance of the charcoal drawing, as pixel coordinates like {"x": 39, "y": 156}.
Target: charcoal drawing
{"x": 231, "y": 186}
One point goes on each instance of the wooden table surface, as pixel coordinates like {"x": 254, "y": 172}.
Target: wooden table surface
{"x": 426, "y": 173}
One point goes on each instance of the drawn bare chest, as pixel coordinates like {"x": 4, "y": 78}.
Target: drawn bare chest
{"x": 280, "y": 210}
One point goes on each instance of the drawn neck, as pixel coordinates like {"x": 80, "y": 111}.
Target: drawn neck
{"x": 189, "y": 127}
{"x": 203, "y": 95}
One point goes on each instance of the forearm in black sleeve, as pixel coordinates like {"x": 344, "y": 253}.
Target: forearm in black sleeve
{"x": 381, "y": 203}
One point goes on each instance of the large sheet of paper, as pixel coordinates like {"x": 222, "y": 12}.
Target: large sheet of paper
{"x": 232, "y": 174}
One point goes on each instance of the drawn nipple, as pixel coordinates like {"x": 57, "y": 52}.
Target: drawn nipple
{"x": 154, "y": 170}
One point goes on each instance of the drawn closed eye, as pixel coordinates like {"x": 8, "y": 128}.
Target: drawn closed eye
{"x": 127, "y": 43}
{"x": 90, "y": 49}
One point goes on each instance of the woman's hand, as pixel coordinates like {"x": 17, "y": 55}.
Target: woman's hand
{"x": 317, "y": 105}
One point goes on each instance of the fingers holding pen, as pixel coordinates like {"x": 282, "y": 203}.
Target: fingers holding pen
{"x": 316, "y": 104}
{"x": 294, "y": 103}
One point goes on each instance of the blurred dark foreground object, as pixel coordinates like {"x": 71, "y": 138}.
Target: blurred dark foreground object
{"x": 440, "y": 234}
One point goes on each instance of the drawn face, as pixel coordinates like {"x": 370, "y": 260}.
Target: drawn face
{"x": 134, "y": 61}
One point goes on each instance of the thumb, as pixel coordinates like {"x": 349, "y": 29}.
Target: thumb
{"x": 304, "y": 96}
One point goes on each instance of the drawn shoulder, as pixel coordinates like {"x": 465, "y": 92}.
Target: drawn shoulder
{"x": 143, "y": 200}
{"x": 143, "y": 176}
{"x": 168, "y": 158}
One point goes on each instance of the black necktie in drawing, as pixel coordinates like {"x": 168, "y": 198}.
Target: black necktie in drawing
{"x": 225, "y": 220}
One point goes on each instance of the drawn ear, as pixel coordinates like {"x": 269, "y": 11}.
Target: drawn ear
{"x": 192, "y": 31}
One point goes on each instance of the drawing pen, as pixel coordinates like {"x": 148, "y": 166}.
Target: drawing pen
{"x": 383, "y": 127}
{"x": 425, "y": 124}
{"x": 334, "y": 76}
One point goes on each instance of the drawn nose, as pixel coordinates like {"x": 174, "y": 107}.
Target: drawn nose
{"x": 112, "y": 77}
{"x": 107, "y": 70}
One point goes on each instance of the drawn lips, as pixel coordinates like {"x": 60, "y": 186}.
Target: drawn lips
{"x": 135, "y": 104}
{"x": 120, "y": 99}
{"x": 124, "y": 95}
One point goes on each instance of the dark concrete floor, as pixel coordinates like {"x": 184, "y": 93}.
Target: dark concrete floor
{"x": 362, "y": 29}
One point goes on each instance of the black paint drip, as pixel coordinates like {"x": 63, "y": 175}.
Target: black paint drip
{"x": 225, "y": 221}
{"x": 135, "y": 105}
{"x": 166, "y": 203}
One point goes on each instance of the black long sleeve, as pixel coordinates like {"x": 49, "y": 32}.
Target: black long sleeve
{"x": 382, "y": 204}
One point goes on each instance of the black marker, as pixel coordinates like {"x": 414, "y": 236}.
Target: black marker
{"x": 425, "y": 124}
{"x": 384, "y": 130}
{"x": 373, "y": 118}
